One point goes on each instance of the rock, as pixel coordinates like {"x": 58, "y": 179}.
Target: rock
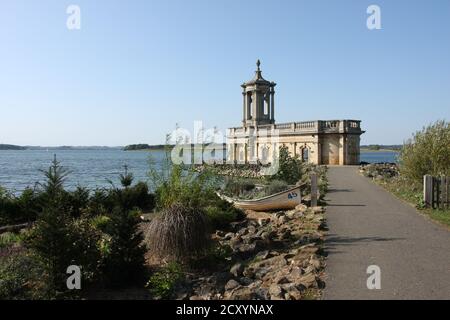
{"x": 317, "y": 209}
{"x": 263, "y": 221}
{"x": 249, "y": 273}
{"x": 301, "y": 207}
{"x": 262, "y": 293}
{"x": 294, "y": 293}
{"x": 229, "y": 236}
{"x": 220, "y": 233}
{"x": 283, "y": 219}
{"x": 314, "y": 262}
{"x": 261, "y": 272}
{"x": 232, "y": 284}
{"x": 280, "y": 279}
{"x": 246, "y": 281}
{"x": 262, "y": 255}
{"x": 307, "y": 280}
{"x": 295, "y": 273}
{"x": 236, "y": 242}
{"x": 242, "y": 232}
{"x": 275, "y": 291}
{"x": 182, "y": 296}
{"x": 266, "y": 235}
{"x": 237, "y": 269}
{"x": 309, "y": 269}
{"x": 285, "y": 235}
{"x": 240, "y": 293}
{"x": 251, "y": 229}
{"x": 276, "y": 261}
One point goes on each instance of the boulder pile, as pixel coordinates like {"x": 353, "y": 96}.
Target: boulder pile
{"x": 273, "y": 256}
{"x": 379, "y": 171}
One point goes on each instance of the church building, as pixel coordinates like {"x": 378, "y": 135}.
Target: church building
{"x": 329, "y": 142}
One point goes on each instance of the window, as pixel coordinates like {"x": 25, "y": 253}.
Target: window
{"x": 305, "y": 154}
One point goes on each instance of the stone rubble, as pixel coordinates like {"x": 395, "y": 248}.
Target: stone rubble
{"x": 379, "y": 171}
{"x": 274, "y": 256}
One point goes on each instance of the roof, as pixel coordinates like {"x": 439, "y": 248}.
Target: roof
{"x": 258, "y": 78}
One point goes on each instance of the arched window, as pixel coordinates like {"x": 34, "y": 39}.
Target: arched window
{"x": 305, "y": 154}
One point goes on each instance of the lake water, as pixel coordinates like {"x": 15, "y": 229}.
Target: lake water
{"x": 93, "y": 168}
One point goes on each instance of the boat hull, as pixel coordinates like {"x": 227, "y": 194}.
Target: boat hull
{"x": 288, "y": 199}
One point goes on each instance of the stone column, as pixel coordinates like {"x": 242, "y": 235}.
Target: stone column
{"x": 244, "y": 111}
{"x": 249, "y": 105}
{"x": 272, "y": 106}
{"x": 342, "y": 151}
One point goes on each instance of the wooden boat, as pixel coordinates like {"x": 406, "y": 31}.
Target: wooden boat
{"x": 287, "y": 199}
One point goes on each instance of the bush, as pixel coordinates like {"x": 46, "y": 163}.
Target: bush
{"x": 275, "y": 186}
{"x": 9, "y": 238}
{"x": 290, "y": 168}
{"x": 163, "y": 282}
{"x": 221, "y": 213}
{"x": 75, "y": 202}
{"x": 235, "y": 187}
{"x": 124, "y": 260}
{"x": 428, "y": 152}
{"x": 178, "y": 232}
{"x": 60, "y": 241}
{"x": 22, "y": 276}
{"x": 183, "y": 186}
{"x": 18, "y": 209}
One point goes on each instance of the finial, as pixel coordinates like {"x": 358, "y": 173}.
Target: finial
{"x": 258, "y": 63}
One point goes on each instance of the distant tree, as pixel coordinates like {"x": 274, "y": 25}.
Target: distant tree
{"x": 374, "y": 147}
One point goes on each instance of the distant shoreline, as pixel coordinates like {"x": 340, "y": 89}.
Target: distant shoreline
{"x": 380, "y": 150}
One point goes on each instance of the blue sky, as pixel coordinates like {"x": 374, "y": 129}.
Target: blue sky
{"x": 138, "y": 67}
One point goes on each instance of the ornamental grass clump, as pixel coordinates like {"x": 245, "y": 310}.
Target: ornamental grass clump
{"x": 178, "y": 233}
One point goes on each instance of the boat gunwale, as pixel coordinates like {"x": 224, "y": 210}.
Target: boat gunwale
{"x": 263, "y": 198}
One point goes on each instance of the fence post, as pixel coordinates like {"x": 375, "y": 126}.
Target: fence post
{"x": 437, "y": 192}
{"x": 313, "y": 190}
{"x": 428, "y": 190}
{"x": 444, "y": 192}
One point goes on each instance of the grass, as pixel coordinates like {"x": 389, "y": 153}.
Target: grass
{"x": 412, "y": 193}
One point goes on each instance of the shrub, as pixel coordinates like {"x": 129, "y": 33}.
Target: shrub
{"x": 9, "y": 238}
{"x": 290, "y": 168}
{"x": 163, "y": 282}
{"x": 220, "y": 214}
{"x": 75, "y": 202}
{"x": 180, "y": 184}
{"x": 141, "y": 196}
{"x": 124, "y": 260}
{"x": 428, "y": 152}
{"x": 100, "y": 202}
{"x": 238, "y": 186}
{"x": 275, "y": 186}
{"x": 184, "y": 185}
{"x": 22, "y": 276}
{"x": 60, "y": 241}
{"x": 178, "y": 232}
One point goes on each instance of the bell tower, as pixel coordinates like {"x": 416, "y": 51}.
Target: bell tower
{"x": 258, "y": 100}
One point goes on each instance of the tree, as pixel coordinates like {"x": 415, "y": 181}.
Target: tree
{"x": 428, "y": 152}
{"x": 125, "y": 260}
{"x": 290, "y": 168}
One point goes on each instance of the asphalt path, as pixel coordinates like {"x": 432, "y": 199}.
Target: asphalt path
{"x": 368, "y": 226}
